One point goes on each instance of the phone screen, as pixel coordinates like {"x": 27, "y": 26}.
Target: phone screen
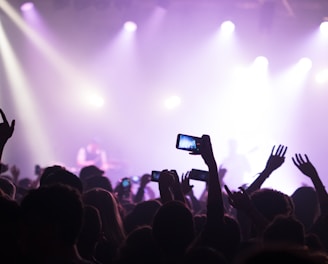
{"x": 186, "y": 142}
{"x": 126, "y": 183}
{"x": 155, "y": 176}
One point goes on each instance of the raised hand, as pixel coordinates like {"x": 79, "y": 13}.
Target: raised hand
{"x": 277, "y": 158}
{"x": 239, "y": 200}
{"x": 145, "y": 179}
{"x": 6, "y": 130}
{"x": 185, "y": 184}
{"x": 304, "y": 165}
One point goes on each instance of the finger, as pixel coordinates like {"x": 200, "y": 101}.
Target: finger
{"x": 296, "y": 164}
{"x": 307, "y": 159}
{"x": 272, "y": 150}
{"x": 278, "y": 152}
{"x": 302, "y": 160}
{"x": 284, "y": 152}
{"x": 228, "y": 191}
{"x": 298, "y": 158}
{"x": 4, "y": 118}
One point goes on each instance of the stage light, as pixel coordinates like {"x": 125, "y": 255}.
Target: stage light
{"x": 324, "y": 27}
{"x": 227, "y": 27}
{"x": 27, "y": 6}
{"x": 130, "y": 26}
{"x": 172, "y": 102}
{"x": 304, "y": 65}
{"x": 322, "y": 77}
{"x": 261, "y": 62}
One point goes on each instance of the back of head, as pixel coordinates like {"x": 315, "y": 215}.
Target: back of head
{"x": 106, "y": 204}
{"x": 90, "y": 171}
{"x": 173, "y": 227}
{"x": 139, "y": 247}
{"x": 62, "y": 176}
{"x": 271, "y": 203}
{"x": 53, "y": 211}
{"x": 285, "y": 230}
{"x": 98, "y": 182}
{"x": 306, "y": 205}
{"x": 142, "y": 214}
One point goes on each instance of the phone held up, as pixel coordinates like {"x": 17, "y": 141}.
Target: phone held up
{"x": 126, "y": 183}
{"x": 155, "y": 176}
{"x": 199, "y": 175}
{"x": 188, "y": 143}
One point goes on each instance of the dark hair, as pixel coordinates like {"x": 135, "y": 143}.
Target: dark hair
{"x": 57, "y": 204}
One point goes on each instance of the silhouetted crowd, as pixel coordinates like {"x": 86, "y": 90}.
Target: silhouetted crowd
{"x": 64, "y": 218}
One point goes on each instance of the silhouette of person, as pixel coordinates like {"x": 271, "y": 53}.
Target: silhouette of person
{"x": 237, "y": 165}
{"x": 93, "y": 154}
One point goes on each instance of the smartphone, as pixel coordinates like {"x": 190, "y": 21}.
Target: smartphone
{"x": 198, "y": 175}
{"x": 189, "y": 143}
{"x": 155, "y": 176}
{"x": 126, "y": 183}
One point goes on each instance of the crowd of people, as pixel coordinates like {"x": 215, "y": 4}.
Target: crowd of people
{"x": 66, "y": 218}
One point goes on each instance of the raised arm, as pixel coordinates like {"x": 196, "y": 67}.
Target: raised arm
{"x": 307, "y": 168}
{"x": 6, "y": 131}
{"x": 275, "y": 160}
{"x": 215, "y": 207}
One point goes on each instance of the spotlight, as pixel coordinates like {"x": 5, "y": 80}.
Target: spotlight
{"x": 227, "y": 27}
{"x": 27, "y": 6}
{"x": 324, "y": 27}
{"x": 304, "y": 64}
{"x": 130, "y": 26}
{"x": 322, "y": 77}
{"x": 172, "y": 102}
{"x": 261, "y": 62}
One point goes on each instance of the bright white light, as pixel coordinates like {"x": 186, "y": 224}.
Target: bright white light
{"x": 27, "y": 6}
{"x": 130, "y": 26}
{"x": 261, "y": 62}
{"x": 172, "y": 102}
{"x": 95, "y": 100}
{"x": 227, "y": 27}
{"x": 304, "y": 64}
{"x": 324, "y": 27}
{"x": 322, "y": 77}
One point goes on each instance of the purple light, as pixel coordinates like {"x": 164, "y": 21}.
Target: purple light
{"x": 27, "y": 6}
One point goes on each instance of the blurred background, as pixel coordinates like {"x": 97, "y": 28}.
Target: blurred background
{"x": 134, "y": 73}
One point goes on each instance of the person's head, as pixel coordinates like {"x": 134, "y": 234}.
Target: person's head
{"x": 142, "y": 214}
{"x": 89, "y": 172}
{"x": 105, "y": 202}
{"x": 173, "y": 228}
{"x": 284, "y": 230}
{"x": 271, "y": 203}
{"x": 98, "y": 182}
{"x": 51, "y": 220}
{"x": 62, "y": 176}
{"x": 306, "y": 205}
{"x": 93, "y": 145}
